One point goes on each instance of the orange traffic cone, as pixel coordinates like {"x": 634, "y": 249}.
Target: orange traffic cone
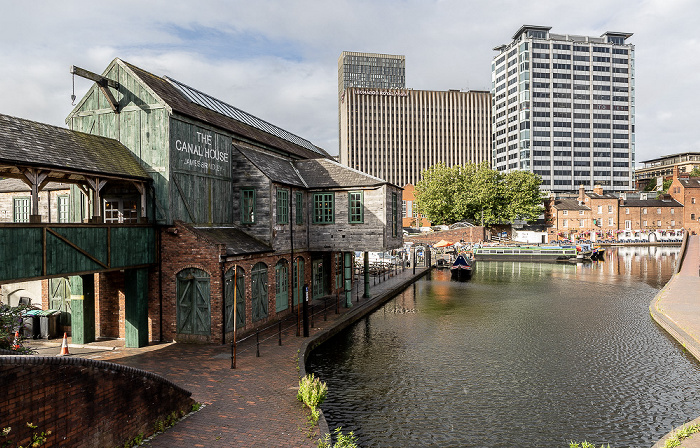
{"x": 15, "y": 344}
{"x": 64, "y": 345}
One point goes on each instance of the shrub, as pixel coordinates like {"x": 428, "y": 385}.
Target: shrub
{"x": 11, "y": 322}
{"x": 312, "y": 392}
{"x": 341, "y": 440}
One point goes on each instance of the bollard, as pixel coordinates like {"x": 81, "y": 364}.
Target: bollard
{"x": 257, "y": 343}
{"x": 280, "y": 332}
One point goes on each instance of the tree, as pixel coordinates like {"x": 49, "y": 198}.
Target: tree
{"x": 522, "y": 196}
{"x": 477, "y": 193}
{"x": 436, "y": 193}
{"x": 695, "y": 172}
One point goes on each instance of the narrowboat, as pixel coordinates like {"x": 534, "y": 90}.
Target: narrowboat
{"x": 462, "y": 268}
{"x": 525, "y": 253}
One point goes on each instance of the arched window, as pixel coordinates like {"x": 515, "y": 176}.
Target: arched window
{"x": 193, "y": 302}
{"x": 281, "y": 286}
{"x": 258, "y": 283}
{"x": 237, "y": 276}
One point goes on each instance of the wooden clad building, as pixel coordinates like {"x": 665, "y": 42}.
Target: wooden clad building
{"x": 235, "y": 200}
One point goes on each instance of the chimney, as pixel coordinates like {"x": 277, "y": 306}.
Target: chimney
{"x": 581, "y": 195}
{"x": 597, "y": 189}
{"x": 675, "y": 172}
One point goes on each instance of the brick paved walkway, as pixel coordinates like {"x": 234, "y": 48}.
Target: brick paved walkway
{"x": 253, "y": 405}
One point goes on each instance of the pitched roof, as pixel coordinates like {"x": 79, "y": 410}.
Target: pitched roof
{"x": 635, "y": 202}
{"x": 569, "y": 204}
{"x": 276, "y": 168}
{"x": 326, "y": 173}
{"x": 601, "y": 196}
{"x": 196, "y": 104}
{"x": 236, "y": 241}
{"x": 32, "y": 144}
{"x": 308, "y": 173}
{"x": 690, "y": 182}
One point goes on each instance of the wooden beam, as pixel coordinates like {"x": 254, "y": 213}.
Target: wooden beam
{"x": 93, "y": 77}
{"x": 103, "y": 83}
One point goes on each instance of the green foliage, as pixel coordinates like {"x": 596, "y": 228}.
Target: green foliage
{"x": 136, "y": 441}
{"x": 341, "y": 440}
{"x": 681, "y": 434}
{"x": 585, "y": 444}
{"x": 312, "y": 392}
{"x": 38, "y": 438}
{"x": 695, "y": 172}
{"x": 10, "y": 322}
{"x": 651, "y": 186}
{"x": 196, "y": 406}
{"x": 477, "y": 193}
{"x": 667, "y": 184}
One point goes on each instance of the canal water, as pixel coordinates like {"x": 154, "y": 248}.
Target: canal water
{"x": 522, "y": 355}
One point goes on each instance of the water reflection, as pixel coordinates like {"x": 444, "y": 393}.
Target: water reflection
{"x": 524, "y": 354}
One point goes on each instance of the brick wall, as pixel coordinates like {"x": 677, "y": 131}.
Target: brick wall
{"x": 84, "y": 403}
{"x": 466, "y": 234}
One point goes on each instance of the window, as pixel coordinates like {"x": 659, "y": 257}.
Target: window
{"x": 610, "y": 208}
{"x": 300, "y": 208}
{"x": 673, "y": 223}
{"x": 63, "y": 208}
{"x": 355, "y": 207}
{"x": 658, "y": 223}
{"x": 581, "y": 222}
{"x": 580, "y": 212}
{"x": 403, "y": 209}
{"x": 692, "y": 200}
{"x": 658, "y": 211}
{"x": 247, "y": 206}
{"x": 692, "y": 216}
{"x": 628, "y": 224}
{"x": 644, "y": 211}
{"x": 565, "y": 223}
{"x": 282, "y": 206}
{"x": 627, "y": 211}
{"x": 673, "y": 211}
{"x": 120, "y": 211}
{"x": 20, "y": 210}
{"x": 610, "y": 221}
{"x": 324, "y": 208}
{"x": 565, "y": 212}
{"x": 600, "y": 209}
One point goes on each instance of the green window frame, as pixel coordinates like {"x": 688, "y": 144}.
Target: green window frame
{"x": 356, "y": 212}
{"x": 282, "y": 206}
{"x": 247, "y": 206}
{"x": 281, "y": 286}
{"x": 300, "y": 208}
{"x": 324, "y": 208}
{"x": 63, "y": 208}
{"x": 20, "y": 209}
{"x": 394, "y": 214}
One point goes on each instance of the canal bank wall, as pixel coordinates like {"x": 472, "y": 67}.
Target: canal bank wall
{"x": 676, "y": 309}
{"x": 379, "y": 295}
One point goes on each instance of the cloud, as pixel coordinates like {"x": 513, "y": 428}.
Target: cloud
{"x": 278, "y": 60}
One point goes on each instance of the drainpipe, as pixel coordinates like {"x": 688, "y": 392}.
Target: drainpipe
{"x": 290, "y": 274}
{"x": 222, "y": 263}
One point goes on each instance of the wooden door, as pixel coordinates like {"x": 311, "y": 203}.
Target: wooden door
{"x": 193, "y": 302}
{"x": 258, "y": 283}
{"x": 240, "y": 298}
{"x": 59, "y": 299}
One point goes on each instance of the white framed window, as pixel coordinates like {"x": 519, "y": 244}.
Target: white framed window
{"x": 580, "y": 212}
{"x": 581, "y": 222}
{"x": 600, "y": 209}
{"x": 565, "y": 212}
{"x": 673, "y": 223}
{"x": 628, "y": 224}
{"x": 610, "y": 208}
{"x": 673, "y": 211}
{"x": 627, "y": 211}
{"x": 644, "y": 223}
{"x": 644, "y": 211}
{"x": 610, "y": 222}
{"x": 658, "y": 223}
{"x": 658, "y": 211}
{"x": 565, "y": 223}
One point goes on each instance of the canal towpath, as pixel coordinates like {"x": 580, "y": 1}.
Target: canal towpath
{"x": 677, "y": 309}
{"x": 253, "y": 405}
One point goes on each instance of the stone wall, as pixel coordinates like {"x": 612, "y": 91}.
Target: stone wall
{"x": 84, "y": 403}
{"x": 466, "y": 234}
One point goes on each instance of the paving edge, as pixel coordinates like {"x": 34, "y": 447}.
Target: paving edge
{"x": 344, "y": 322}
{"x": 687, "y": 341}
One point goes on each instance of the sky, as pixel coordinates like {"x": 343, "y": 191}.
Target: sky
{"x": 278, "y": 59}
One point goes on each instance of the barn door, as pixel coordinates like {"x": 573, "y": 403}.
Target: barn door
{"x": 258, "y": 283}
{"x": 298, "y": 280}
{"x": 193, "y": 302}
{"x": 240, "y": 299}
{"x": 59, "y": 299}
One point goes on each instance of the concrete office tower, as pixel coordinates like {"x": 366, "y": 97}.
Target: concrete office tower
{"x": 394, "y": 134}
{"x": 563, "y": 108}
{"x": 381, "y": 71}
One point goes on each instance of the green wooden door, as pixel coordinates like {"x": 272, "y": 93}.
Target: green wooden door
{"x": 258, "y": 283}
{"x": 193, "y": 302}
{"x": 317, "y": 278}
{"x": 240, "y": 298}
{"x": 59, "y": 299}
{"x": 298, "y": 279}
{"x": 281, "y": 286}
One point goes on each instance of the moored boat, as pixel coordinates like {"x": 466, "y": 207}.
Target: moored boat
{"x": 524, "y": 253}
{"x": 462, "y": 268}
